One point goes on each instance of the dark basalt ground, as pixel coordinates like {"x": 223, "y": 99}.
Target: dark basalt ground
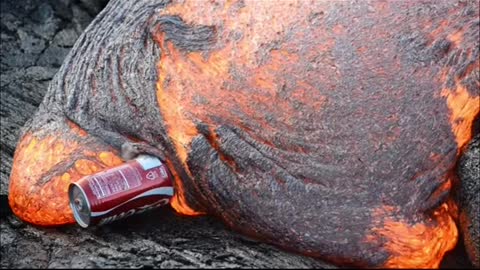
{"x": 469, "y": 199}
{"x": 35, "y": 37}
{"x": 159, "y": 239}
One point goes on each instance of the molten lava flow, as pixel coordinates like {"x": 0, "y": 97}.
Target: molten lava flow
{"x": 194, "y": 86}
{"x": 44, "y": 167}
{"x": 181, "y": 130}
{"x": 244, "y": 72}
{"x": 179, "y": 202}
{"x": 29, "y": 199}
{"x": 464, "y": 108}
{"x": 419, "y": 245}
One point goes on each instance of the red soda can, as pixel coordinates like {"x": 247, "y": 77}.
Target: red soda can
{"x": 134, "y": 187}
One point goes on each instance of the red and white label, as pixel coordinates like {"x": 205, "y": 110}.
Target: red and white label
{"x": 131, "y": 188}
{"x": 114, "y": 182}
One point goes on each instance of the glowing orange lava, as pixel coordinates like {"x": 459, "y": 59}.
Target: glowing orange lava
{"x": 464, "y": 108}
{"x": 179, "y": 202}
{"x": 420, "y": 245}
{"x": 44, "y": 167}
{"x": 192, "y": 86}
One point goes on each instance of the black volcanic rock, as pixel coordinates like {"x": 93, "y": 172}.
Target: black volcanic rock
{"x": 468, "y": 196}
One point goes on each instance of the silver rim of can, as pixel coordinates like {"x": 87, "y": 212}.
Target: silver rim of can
{"x": 79, "y": 204}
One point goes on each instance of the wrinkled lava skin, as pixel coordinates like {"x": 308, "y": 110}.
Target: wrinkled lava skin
{"x": 326, "y": 128}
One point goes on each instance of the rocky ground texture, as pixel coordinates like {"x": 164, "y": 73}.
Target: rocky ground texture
{"x": 35, "y": 37}
{"x": 468, "y": 196}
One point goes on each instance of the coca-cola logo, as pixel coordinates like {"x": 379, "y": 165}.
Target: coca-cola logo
{"x": 152, "y": 175}
{"x": 131, "y": 212}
